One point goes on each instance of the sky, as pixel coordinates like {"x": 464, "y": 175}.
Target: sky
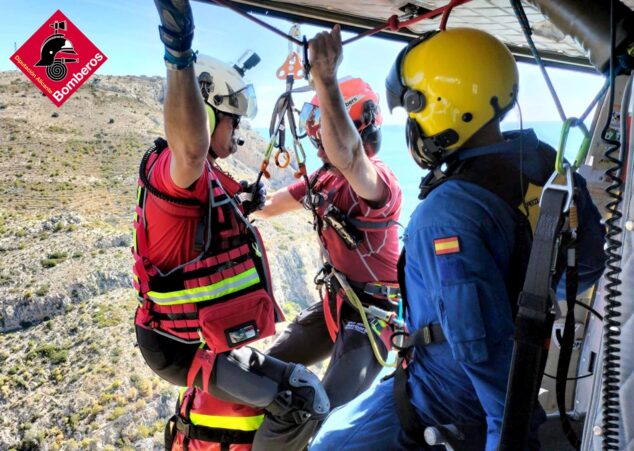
{"x": 126, "y": 32}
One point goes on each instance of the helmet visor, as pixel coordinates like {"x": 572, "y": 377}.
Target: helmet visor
{"x": 394, "y": 87}
{"x": 241, "y": 102}
{"x": 309, "y": 119}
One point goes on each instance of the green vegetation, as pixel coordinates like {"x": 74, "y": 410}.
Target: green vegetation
{"x": 54, "y": 354}
{"x": 104, "y": 317}
{"x": 57, "y": 129}
{"x": 42, "y": 290}
{"x": 54, "y": 259}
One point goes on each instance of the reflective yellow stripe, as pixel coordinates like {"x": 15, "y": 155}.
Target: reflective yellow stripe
{"x": 136, "y": 217}
{"x": 213, "y": 421}
{"x": 214, "y": 291}
{"x": 235, "y": 423}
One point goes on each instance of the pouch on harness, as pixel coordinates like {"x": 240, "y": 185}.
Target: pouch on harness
{"x": 222, "y": 297}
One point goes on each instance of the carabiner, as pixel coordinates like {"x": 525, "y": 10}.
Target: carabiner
{"x": 265, "y": 159}
{"x": 583, "y": 149}
{"x": 286, "y": 158}
{"x": 554, "y": 183}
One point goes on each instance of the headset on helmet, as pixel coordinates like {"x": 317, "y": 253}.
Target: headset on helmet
{"x": 223, "y": 89}
{"x": 451, "y": 83}
{"x": 362, "y": 104}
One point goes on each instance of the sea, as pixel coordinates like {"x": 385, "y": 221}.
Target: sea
{"x": 395, "y": 154}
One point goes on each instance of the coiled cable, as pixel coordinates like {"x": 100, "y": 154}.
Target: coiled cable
{"x": 612, "y": 323}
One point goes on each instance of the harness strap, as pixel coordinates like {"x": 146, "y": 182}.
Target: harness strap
{"x": 202, "y": 364}
{"x": 387, "y": 290}
{"x": 332, "y": 320}
{"x": 567, "y": 343}
{"x": 367, "y": 224}
{"x": 430, "y": 334}
{"x": 405, "y": 410}
{"x": 533, "y": 323}
{"x": 215, "y": 435}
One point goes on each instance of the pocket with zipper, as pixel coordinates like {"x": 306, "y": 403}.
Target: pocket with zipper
{"x": 237, "y": 322}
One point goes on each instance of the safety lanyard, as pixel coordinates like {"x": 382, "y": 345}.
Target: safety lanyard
{"x": 533, "y": 325}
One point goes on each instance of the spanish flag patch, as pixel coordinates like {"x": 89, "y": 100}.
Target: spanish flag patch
{"x": 449, "y": 245}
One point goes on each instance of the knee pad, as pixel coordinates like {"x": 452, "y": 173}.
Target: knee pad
{"x": 287, "y": 391}
{"x": 301, "y": 398}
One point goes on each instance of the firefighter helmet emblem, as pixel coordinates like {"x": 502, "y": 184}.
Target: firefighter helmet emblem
{"x": 54, "y": 51}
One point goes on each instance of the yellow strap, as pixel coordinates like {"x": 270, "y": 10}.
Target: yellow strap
{"x": 214, "y": 291}
{"x": 214, "y": 421}
{"x": 235, "y": 423}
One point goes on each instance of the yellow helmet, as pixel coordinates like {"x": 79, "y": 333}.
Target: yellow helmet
{"x": 452, "y": 83}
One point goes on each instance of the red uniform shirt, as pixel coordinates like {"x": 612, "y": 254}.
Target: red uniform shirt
{"x": 171, "y": 229}
{"x": 375, "y": 258}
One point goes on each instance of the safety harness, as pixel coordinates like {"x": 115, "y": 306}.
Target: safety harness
{"x": 326, "y": 214}
{"x": 554, "y": 238}
{"x": 534, "y": 256}
{"x": 377, "y": 302}
{"x": 223, "y": 297}
{"x": 204, "y": 422}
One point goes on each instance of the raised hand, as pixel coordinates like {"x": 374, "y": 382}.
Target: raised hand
{"x": 177, "y": 25}
{"x": 325, "y": 54}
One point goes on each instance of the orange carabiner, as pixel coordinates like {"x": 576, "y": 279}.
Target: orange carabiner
{"x": 286, "y": 158}
{"x": 263, "y": 169}
{"x": 301, "y": 171}
{"x": 292, "y": 66}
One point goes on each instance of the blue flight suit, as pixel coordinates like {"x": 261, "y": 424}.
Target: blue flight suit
{"x": 458, "y": 247}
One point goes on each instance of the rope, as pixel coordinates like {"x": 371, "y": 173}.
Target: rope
{"x": 394, "y": 24}
{"x": 445, "y": 15}
{"x": 526, "y": 29}
{"x": 356, "y": 302}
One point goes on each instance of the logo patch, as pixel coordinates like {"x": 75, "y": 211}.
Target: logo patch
{"x": 449, "y": 245}
{"x": 58, "y": 58}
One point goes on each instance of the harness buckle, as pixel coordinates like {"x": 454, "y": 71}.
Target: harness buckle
{"x": 427, "y": 335}
{"x": 553, "y": 184}
{"x": 183, "y": 426}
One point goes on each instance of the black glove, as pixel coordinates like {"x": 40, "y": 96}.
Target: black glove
{"x": 177, "y": 26}
{"x": 252, "y": 196}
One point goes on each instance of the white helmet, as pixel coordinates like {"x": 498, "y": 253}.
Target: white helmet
{"x": 223, "y": 88}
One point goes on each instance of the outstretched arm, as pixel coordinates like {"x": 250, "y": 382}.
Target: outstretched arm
{"x": 339, "y": 136}
{"x": 278, "y": 203}
{"x": 186, "y": 125}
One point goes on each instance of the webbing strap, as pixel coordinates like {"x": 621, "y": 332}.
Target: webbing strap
{"x": 213, "y": 435}
{"x": 373, "y": 225}
{"x": 566, "y": 344}
{"x": 533, "y": 323}
{"x": 405, "y": 410}
{"x": 430, "y": 334}
{"x": 383, "y": 289}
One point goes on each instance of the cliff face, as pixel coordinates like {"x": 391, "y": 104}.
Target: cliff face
{"x": 70, "y": 375}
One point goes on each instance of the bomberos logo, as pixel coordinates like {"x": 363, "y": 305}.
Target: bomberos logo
{"x": 58, "y": 58}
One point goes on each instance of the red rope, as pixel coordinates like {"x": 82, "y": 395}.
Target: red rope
{"x": 445, "y": 15}
{"x": 395, "y": 25}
